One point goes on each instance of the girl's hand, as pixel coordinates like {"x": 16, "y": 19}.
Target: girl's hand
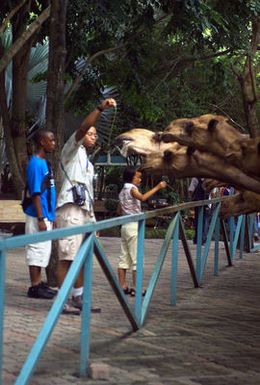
{"x": 162, "y": 184}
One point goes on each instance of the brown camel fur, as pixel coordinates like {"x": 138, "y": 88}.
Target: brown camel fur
{"x": 209, "y": 132}
{"x": 244, "y": 202}
{"x": 214, "y": 134}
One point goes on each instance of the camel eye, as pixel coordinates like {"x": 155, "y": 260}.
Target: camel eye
{"x": 157, "y": 137}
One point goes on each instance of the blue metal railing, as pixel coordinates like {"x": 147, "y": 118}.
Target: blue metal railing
{"x": 137, "y": 316}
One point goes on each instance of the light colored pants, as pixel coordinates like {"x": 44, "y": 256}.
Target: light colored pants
{"x": 37, "y": 254}
{"x": 129, "y": 235}
{"x": 67, "y": 216}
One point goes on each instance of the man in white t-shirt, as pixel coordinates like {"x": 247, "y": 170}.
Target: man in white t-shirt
{"x": 75, "y": 204}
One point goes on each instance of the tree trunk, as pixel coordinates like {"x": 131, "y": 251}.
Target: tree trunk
{"x": 19, "y": 88}
{"x": 17, "y": 178}
{"x": 14, "y": 121}
{"x": 55, "y": 97}
{"x": 248, "y": 83}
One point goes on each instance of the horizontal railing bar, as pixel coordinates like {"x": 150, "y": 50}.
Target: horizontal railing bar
{"x": 22, "y": 240}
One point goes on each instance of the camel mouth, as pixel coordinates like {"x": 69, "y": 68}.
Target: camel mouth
{"x": 128, "y": 147}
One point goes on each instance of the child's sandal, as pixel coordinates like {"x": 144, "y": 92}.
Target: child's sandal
{"x": 132, "y": 292}
{"x": 126, "y": 290}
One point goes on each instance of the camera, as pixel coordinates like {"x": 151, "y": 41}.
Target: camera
{"x": 79, "y": 194}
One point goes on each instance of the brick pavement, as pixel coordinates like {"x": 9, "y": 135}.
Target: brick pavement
{"x": 211, "y": 337}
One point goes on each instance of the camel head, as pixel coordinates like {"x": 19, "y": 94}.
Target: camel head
{"x": 140, "y": 141}
{"x": 206, "y": 133}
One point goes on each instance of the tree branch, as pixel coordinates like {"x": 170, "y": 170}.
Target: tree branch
{"x": 18, "y": 44}
{"x": 10, "y": 15}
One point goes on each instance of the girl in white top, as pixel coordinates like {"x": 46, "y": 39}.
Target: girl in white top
{"x": 130, "y": 199}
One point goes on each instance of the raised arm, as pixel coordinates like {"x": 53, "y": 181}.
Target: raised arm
{"x": 91, "y": 119}
{"x": 143, "y": 197}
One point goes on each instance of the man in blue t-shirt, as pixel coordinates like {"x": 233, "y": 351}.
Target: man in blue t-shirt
{"x": 40, "y": 211}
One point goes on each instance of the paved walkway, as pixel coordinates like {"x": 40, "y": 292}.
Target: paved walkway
{"x": 211, "y": 337}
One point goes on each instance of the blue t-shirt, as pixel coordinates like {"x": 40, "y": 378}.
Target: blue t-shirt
{"x": 40, "y": 181}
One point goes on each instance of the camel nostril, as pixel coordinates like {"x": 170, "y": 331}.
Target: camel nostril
{"x": 167, "y": 156}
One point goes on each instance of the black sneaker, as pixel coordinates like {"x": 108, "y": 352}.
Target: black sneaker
{"x": 38, "y": 291}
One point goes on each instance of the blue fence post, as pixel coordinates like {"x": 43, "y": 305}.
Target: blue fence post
{"x": 216, "y": 250}
{"x": 139, "y": 270}
{"x": 242, "y": 237}
{"x": 231, "y": 236}
{"x": 86, "y": 312}
{"x": 175, "y": 246}
{"x": 2, "y": 302}
{"x": 199, "y": 242}
{"x": 52, "y": 317}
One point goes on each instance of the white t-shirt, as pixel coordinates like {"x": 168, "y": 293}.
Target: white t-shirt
{"x": 75, "y": 161}
{"x": 129, "y": 204}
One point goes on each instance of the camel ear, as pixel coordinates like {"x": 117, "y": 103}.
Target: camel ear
{"x": 188, "y": 127}
{"x": 190, "y": 151}
{"x": 212, "y": 125}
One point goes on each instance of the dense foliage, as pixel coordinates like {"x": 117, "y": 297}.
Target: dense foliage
{"x": 165, "y": 58}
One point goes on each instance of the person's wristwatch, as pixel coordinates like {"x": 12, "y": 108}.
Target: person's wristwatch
{"x": 100, "y": 109}
{"x": 40, "y": 219}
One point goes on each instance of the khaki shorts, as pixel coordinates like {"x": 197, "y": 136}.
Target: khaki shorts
{"x": 67, "y": 216}
{"x": 37, "y": 254}
{"x": 129, "y": 233}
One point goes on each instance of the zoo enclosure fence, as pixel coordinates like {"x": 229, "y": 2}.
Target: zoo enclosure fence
{"x": 239, "y": 236}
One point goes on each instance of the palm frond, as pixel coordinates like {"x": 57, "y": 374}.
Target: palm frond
{"x": 107, "y": 121}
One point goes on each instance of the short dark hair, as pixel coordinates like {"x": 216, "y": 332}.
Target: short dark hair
{"x": 39, "y": 135}
{"x": 129, "y": 173}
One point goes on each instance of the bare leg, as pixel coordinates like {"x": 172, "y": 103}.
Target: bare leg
{"x": 35, "y": 275}
{"x": 134, "y": 278}
{"x": 122, "y": 277}
{"x": 80, "y": 281}
{"x": 63, "y": 268}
